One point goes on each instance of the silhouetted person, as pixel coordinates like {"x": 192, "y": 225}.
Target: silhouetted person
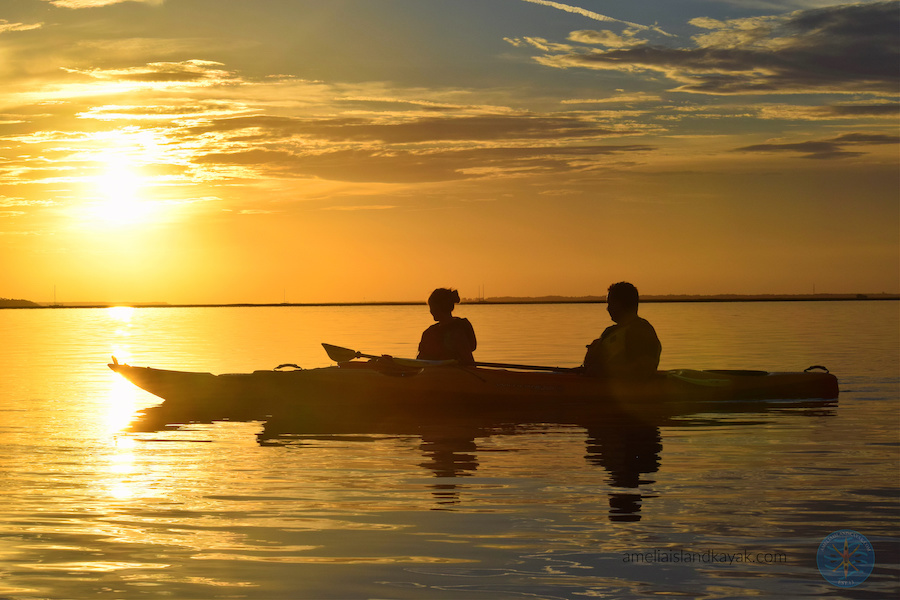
{"x": 451, "y": 337}
{"x": 629, "y": 349}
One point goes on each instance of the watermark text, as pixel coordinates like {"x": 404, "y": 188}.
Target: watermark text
{"x": 704, "y": 557}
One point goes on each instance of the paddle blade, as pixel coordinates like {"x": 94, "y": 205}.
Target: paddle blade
{"x": 338, "y": 354}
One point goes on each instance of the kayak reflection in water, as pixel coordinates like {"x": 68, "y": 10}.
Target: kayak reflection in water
{"x": 451, "y": 337}
{"x": 629, "y": 349}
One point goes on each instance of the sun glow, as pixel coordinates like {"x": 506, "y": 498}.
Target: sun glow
{"x": 120, "y": 201}
{"x": 120, "y": 187}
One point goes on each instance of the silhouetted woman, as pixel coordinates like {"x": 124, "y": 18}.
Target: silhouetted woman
{"x": 451, "y": 337}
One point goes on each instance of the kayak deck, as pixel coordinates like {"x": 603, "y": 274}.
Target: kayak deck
{"x": 379, "y": 389}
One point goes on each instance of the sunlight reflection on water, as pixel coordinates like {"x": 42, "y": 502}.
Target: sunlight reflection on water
{"x": 121, "y": 405}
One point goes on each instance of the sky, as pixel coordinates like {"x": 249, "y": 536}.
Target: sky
{"x": 200, "y": 151}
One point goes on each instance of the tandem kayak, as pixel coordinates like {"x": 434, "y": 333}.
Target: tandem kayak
{"x": 379, "y": 388}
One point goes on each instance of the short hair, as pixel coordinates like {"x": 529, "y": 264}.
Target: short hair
{"x": 625, "y": 293}
{"x": 444, "y": 298}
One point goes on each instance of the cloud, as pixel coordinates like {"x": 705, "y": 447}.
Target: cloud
{"x": 605, "y": 38}
{"x": 405, "y": 166}
{"x": 753, "y": 32}
{"x": 840, "y": 49}
{"x": 826, "y": 149}
{"x": 435, "y": 129}
{"x": 6, "y": 26}
{"x": 197, "y": 72}
{"x": 780, "y": 5}
{"x": 592, "y": 15}
{"x": 863, "y": 110}
{"x": 872, "y": 111}
{"x": 541, "y": 44}
{"x": 362, "y": 207}
{"x": 148, "y": 112}
{"x": 638, "y": 97}
{"x": 6, "y": 202}
{"x": 427, "y": 105}
{"x": 97, "y": 3}
{"x": 257, "y": 211}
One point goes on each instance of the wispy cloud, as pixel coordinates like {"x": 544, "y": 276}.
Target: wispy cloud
{"x": 203, "y": 109}
{"x": 6, "y": 202}
{"x": 828, "y": 149}
{"x": 640, "y": 97}
{"x": 420, "y": 130}
{"x": 606, "y": 38}
{"x": 256, "y": 211}
{"x": 362, "y": 207}
{"x": 406, "y": 166}
{"x": 187, "y": 72}
{"x": 778, "y": 5}
{"x": 97, "y": 3}
{"x": 843, "y": 111}
{"x": 842, "y": 49}
{"x": 592, "y": 15}
{"x": 6, "y": 26}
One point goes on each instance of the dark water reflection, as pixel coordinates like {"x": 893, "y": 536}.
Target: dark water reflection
{"x": 628, "y": 449}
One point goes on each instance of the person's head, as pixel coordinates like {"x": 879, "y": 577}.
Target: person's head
{"x": 441, "y": 302}
{"x": 621, "y": 301}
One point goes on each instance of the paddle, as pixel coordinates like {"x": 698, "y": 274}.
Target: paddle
{"x": 338, "y": 354}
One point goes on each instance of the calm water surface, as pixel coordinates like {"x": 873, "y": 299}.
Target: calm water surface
{"x": 91, "y": 509}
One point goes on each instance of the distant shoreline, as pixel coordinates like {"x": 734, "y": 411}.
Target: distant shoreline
{"x": 649, "y": 299}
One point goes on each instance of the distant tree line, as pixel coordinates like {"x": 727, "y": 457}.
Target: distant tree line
{"x": 12, "y": 303}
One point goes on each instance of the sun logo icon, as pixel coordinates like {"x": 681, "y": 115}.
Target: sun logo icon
{"x": 845, "y": 558}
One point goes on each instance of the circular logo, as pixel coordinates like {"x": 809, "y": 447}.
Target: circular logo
{"x": 845, "y": 558}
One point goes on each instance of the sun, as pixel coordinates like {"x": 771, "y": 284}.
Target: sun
{"x": 119, "y": 189}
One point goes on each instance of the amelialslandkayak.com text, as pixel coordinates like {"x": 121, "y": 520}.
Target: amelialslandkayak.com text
{"x": 705, "y": 557}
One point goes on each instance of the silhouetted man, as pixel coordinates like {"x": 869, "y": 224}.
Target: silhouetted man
{"x": 629, "y": 349}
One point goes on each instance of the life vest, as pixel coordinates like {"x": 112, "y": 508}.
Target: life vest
{"x": 624, "y": 348}
{"x": 453, "y": 339}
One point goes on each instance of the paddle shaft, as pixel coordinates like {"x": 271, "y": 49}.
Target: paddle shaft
{"x": 344, "y": 354}
{"x": 523, "y": 367}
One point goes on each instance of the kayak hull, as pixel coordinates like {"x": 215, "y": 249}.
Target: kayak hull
{"x": 373, "y": 390}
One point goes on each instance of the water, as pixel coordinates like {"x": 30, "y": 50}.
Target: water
{"x": 89, "y": 509}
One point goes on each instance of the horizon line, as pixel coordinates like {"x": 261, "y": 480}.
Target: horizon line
{"x": 495, "y": 300}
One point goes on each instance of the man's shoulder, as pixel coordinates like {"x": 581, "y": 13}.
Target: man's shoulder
{"x": 644, "y": 330}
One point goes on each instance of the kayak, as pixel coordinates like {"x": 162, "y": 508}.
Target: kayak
{"x": 383, "y": 387}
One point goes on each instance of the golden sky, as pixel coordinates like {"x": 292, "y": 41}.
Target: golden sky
{"x": 349, "y": 150}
